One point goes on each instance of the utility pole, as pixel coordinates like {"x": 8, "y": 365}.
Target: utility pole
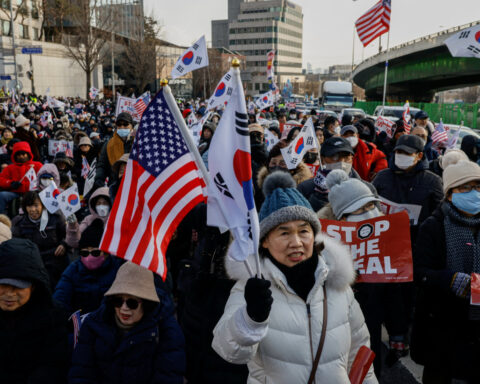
{"x": 113, "y": 52}
{"x": 12, "y": 30}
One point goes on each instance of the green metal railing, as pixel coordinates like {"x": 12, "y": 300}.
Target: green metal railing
{"x": 449, "y": 113}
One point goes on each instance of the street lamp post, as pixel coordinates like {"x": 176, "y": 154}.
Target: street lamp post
{"x": 12, "y": 30}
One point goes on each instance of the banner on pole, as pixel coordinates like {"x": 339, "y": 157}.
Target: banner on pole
{"x": 127, "y": 104}
{"x": 380, "y": 247}
{"x": 55, "y": 146}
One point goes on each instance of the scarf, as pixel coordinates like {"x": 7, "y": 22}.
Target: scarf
{"x": 300, "y": 277}
{"x": 462, "y": 237}
{"x": 4, "y": 141}
{"x": 115, "y": 149}
{"x": 319, "y": 181}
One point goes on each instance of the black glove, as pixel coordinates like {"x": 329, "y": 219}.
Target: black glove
{"x": 259, "y": 299}
{"x": 15, "y": 184}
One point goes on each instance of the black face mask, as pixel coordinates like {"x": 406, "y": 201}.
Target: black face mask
{"x": 310, "y": 157}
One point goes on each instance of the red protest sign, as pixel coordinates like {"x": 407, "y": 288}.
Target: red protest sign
{"x": 287, "y": 128}
{"x": 475, "y": 286}
{"x": 380, "y": 247}
{"x": 385, "y": 125}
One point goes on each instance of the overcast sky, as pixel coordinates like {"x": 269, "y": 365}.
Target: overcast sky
{"x": 327, "y": 25}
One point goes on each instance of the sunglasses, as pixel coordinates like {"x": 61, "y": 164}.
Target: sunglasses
{"x": 131, "y": 303}
{"x": 94, "y": 253}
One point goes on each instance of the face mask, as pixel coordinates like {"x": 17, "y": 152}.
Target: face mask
{"x": 91, "y": 262}
{"x": 347, "y": 167}
{"x": 45, "y": 182}
{"x": 337, "y": 130}
{"x": 310, "y": 157}
{"x": 102, "y": 210}
{"x": 353, "y": 140}
{"x": 467, "y": 202}
{"x": 273, "y": 169}
{"x": 404, "y": 161}
{"x": 123, "y": 132}
{"x": 364, "y": 216}
{"x": 293, "y": 117}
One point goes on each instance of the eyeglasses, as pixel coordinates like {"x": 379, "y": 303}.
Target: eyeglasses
{"x": 131, "y": 303}
{"x": 94, "y": 253}
{"x": 468, "y": 188}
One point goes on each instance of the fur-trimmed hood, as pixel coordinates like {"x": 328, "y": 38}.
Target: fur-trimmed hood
{"x": 338, "y": 264}
{"x": 302, "y": 173}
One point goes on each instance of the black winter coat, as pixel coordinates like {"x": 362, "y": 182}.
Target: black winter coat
{"x": 419, "y": 187}
{"x": 442, "y": 335}
{"x": 152, "y": 352}
{"x": 47, "y": 242}
{"x": 33, "y": 339}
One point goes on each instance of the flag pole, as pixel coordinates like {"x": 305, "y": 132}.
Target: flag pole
{"x": 192, "y": 148}
{"x": 386, "y": 71}
{"x": 353, "y": 50}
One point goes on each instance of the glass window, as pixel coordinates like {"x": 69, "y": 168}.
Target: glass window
{"x": 36, "y": 34}
{"x": 5, "y": 28}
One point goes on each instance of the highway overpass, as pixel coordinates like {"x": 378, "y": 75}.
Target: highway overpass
{"x": 418, "y": 69}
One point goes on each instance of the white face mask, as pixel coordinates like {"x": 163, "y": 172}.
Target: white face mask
{"x": 102, "y": 210}
{"x": 45, "y": 182}
{"x": 404, "y": 161}
{"x": 353, "y": 140}
{"x": 364, "y": 216}
{"x": 347, "y": 167}
{"x": 337, "y": 130}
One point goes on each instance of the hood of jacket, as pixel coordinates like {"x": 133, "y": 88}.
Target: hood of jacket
{"x": 50, "y": 169}
{"x": 22, "y": 146}
{"x": 99, "y": 192}
{"x": 302, "y": 173}
{"x": 20, "y": 259}
{"x": 339, "y": 273}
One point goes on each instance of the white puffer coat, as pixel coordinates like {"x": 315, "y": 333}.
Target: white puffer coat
{"x": 278, "y": 350}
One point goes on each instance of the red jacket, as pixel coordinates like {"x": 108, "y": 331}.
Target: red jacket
{"x": 15, "y": 171}
{"x": 368, "y": 160}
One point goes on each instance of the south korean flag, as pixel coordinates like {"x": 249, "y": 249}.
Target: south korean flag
{"x": 266, "y": 100}
{"x": 193, "y": 58}
{"x": 222, "y": 92}
{"x": 305, "y": 140}
{"x": 465, "y": 43}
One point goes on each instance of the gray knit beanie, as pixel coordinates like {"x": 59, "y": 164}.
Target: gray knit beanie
{"x": 284, "y": 203}
{"x": 347, "y": 194}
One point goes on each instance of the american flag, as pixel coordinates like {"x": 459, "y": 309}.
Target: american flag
{"x": 374, "y": 23}
{"x": 85, "y": 167}
{"x": 407, "y": 117}
{"x": 141, "y": 103}
{"x": 439, "y": 136}
{"x": 68, "y": 151}
{"x": 160, "y": 186}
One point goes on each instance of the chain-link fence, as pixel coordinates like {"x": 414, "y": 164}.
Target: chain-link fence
{"x": 450, "y": 113}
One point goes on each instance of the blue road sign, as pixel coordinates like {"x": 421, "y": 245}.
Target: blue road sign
{"x": 5, "y": 77}
{"x": 32, "y": 50}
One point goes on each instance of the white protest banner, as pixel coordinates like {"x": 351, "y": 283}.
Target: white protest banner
{"x": 55, "y": 146}
{"x": 69, "y": 201}
{"x": 385, "y": 125}
{"x": 127, "y": 104}
{"x": 380, "y": 247}
{"x": 389, "y": 207}
{"x": 305, "y": 140}
{"x": 193, "y": 58}
{"x": 49, "y": 197}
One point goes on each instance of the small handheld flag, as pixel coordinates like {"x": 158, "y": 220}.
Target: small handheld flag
{"x": 193, "y": 58}
{"x": 305, "y": 140}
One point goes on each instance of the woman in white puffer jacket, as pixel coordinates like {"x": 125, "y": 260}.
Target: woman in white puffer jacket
{"x": 280, "y": 344}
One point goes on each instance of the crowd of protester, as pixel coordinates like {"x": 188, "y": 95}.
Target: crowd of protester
{"x": 70, "y": 312}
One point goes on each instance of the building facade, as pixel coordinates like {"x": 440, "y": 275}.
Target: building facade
{"x": 261, "y": 26}
{"x": 167, "y": 55}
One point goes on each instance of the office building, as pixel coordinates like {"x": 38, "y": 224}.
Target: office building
{"x": 257, "y": 27}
